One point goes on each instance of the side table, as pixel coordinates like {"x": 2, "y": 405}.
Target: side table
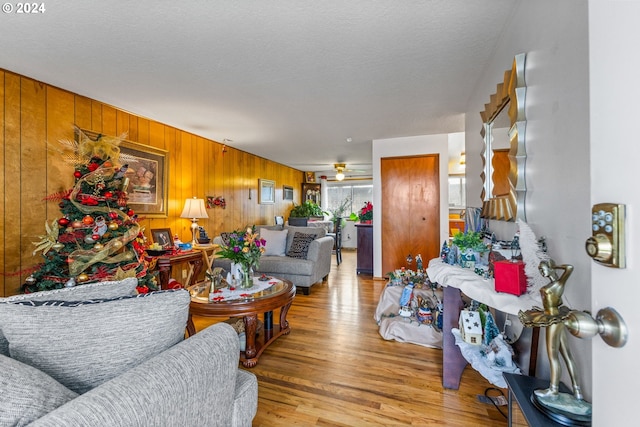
{"x": 166, "y": 262}
{"x": 520, "y": 389}
{"x": 208, "y": 254}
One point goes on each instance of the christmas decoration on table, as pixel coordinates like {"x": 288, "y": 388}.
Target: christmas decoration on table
{"x": 403, "y": 276}
{"x": 366, "y": 213}
{"x": 444, "y": 252}
{"x": 97, "y": 236}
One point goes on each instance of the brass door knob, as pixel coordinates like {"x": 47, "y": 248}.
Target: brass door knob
{"x": 599, "y": 247}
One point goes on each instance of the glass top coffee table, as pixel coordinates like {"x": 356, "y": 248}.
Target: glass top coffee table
{"x": 277, "y": 296}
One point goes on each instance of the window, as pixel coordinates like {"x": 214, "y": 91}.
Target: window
{"x": 358, "y": 193}
{"x": 457, "y": 197}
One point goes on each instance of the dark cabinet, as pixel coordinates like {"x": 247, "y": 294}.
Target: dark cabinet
{"x": 365, "y": 249}
{"x": 311, "y": 193}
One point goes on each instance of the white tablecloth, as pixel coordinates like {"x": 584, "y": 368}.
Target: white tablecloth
{"x": 478, "y": 288}
{"x": 404, "y": 329}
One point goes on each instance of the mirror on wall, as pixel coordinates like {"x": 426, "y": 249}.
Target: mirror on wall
{"x": 504, "y": 153}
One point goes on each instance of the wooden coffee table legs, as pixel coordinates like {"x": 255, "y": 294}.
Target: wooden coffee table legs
{"x": 256, "y": 344}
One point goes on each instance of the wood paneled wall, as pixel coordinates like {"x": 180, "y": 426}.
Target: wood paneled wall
{"x": 34, "y": 115}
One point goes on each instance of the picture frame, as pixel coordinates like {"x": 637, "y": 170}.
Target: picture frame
{"x": 266, "y": 192}
{"x": 162, "y": 236}
{"x": 310, "y": 177}
{"x": 146, "y": 177}
{"x": 287, "y": 192}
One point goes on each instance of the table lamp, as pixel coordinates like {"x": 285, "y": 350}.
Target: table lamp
{"x": 194, "y": 209}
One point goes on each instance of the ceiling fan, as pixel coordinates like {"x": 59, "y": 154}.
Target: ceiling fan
{"x": 340, "y": 170}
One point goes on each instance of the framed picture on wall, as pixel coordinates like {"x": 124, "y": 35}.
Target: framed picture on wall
{"x": 266, "y": 191}
{"x": 145, "y": 179}
{"x": 309, "y": 177}
{"x": 287, "y": 192}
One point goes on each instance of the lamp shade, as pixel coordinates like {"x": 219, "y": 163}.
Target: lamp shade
{"x": 194, "y": 208}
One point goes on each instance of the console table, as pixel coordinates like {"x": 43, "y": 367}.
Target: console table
{"x": 365, "y": 249}
{"x": 166, "y": 262}
{"x": 455, "y": 281}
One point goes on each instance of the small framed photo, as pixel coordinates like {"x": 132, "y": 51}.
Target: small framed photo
{"x": 162, "y": 236}
{"x": 287, "y": 192}
{"x": 266, "y": 192}
{"x": 309, "y": 177}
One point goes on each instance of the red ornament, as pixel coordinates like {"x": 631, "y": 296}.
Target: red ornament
{"x": 108, "y": 194}
{"x": 95, "y": 237}
{"x": 113, "y": 215}
{"x": 93, "y": 166}
{"x": 130, "y": 212}
{"x": 63, "y": 221}
{"x": 77, "y": 174}
{"x": 88, "y": 220}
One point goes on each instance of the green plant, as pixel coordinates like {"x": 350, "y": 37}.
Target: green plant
{"x": 469, "y": 239}
{"x": 306, "y": 210}
{"x": 340, "y": 211}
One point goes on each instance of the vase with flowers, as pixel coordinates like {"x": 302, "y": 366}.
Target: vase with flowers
{"x": 366, "y": 213}
{"x": 244, "y": 248}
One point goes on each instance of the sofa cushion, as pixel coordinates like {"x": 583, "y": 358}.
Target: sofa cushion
{"x": 277, "y": 266}
{"x": 82, "y": 344}
{"x": 276, "y": 241}
{"x": 28, "y": 393}
{"x": 106, "y": 289}
{"x": 316, "y": 231}
{"x": 300, "y": 245}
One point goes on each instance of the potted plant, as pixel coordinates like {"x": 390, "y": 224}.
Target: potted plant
{"x": 366, "y": 213}
{"x": 300, "y": 214}
{"x": 339, "y": 212}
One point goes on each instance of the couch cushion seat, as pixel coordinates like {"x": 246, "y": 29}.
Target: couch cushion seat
{"x": 285, "y": 265}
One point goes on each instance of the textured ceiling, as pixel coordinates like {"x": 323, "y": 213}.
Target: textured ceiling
{"x": 286, "y": 80}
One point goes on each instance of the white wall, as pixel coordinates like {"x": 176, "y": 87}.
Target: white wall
{"x": 613, "y": 38}
{"x": 408, "y": 146}
{"x": 554, "y": 36}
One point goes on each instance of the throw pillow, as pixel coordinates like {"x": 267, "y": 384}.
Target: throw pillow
{"x": 106, "y": 289}
{"x": 276, "y": 241}
{"x": 27, "y": 393}
{"x": 226, "y": 238}
{"x": 82, "y": 344}
{"x": 300, "y": 245}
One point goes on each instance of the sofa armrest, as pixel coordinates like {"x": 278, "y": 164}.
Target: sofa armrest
{"x": 192, "y": 383}
{"x": 320, "y": 253}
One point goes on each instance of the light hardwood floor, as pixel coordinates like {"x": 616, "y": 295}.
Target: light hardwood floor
{"x": 334, "y": 369}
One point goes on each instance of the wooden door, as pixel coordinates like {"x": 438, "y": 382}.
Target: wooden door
{"x": 410, "y": 210}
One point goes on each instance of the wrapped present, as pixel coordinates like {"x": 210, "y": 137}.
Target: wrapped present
{"x": 509, "y": 277}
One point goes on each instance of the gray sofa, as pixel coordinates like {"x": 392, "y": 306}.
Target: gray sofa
{"x": 125, "y": 363}
{"x": 302, "y": 272}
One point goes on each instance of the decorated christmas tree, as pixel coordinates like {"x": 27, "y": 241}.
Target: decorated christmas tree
{"x": 97, "y": 236}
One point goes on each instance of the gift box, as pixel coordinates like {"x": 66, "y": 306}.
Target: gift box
{"x": 509, "y": 277}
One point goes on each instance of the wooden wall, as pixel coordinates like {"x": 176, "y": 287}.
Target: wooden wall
{"x": 33, "y": 114}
